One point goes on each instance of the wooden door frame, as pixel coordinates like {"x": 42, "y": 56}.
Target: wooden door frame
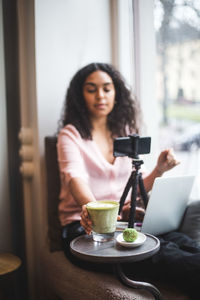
{"x": 10, "y": 33}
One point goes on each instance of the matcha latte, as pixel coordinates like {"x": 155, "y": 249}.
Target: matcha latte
{"x": 104, "y": 217}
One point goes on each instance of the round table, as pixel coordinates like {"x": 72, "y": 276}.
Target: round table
{"x": 111, "y": 252}
{"x": 9, "y": 263}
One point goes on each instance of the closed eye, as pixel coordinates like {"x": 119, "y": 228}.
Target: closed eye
{"x": 91, "y": 91}
{"x": 92, "y": 88}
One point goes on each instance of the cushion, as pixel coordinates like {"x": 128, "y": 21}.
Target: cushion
{"x": 191, "y": 221}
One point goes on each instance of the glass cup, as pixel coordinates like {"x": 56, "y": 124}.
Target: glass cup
{"x": 103, "y": 215}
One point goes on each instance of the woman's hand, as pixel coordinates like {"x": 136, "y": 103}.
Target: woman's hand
{"x": 166, "y": 161}
{"x": 85, "y": 220}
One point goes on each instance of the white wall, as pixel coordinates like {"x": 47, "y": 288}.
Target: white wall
{"x": 5, "y": 232}
{"x": 69, "y": 34}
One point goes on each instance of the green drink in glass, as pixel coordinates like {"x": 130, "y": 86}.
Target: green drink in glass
{"x": 103, "y": 215}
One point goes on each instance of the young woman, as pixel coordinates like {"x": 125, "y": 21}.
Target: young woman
{"x": 98, "y": 108}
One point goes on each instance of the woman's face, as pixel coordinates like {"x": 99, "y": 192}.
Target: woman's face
{"x": 99, "y": 94}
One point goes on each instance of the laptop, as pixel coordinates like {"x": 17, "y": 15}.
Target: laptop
{"x": 166, "y": 206}
{"x": 167, "y": 203}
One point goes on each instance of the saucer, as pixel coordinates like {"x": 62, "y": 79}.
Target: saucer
{"x": 139, "y": 241}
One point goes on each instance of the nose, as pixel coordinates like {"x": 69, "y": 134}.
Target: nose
{"x": 100, "y": 93}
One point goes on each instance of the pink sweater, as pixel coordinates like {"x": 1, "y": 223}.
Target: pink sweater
{"x": 82, "y": 158}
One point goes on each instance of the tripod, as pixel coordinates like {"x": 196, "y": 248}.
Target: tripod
{"x": 134, "y": 180}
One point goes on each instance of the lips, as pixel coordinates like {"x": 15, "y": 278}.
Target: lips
{"x": 100, "y": 106}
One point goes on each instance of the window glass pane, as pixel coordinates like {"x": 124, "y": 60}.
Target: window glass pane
{"x": 177, "y": 26}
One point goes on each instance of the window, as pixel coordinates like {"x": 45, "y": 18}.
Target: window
{"x": 177, "y": 26}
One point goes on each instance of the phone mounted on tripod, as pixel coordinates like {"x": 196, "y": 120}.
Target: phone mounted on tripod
{"x": 131, "y": 146}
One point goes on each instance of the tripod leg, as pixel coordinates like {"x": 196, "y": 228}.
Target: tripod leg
{"x": 142, "y": 190}
{"x": 133, "y": 200}
{"x": 125, "y": 193}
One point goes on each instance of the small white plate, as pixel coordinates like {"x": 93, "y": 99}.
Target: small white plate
{"x": 121, "y": 226}
{"x": 139, "y": 241}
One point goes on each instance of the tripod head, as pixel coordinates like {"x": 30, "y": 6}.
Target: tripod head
{"x": 136, "y": 162}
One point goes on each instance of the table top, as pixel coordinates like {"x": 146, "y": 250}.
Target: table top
{"x": 85, "y": 248}
{"x": 8, "y": 263}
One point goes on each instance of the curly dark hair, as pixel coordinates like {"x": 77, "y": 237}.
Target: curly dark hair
{"x": 124, "y": 117}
